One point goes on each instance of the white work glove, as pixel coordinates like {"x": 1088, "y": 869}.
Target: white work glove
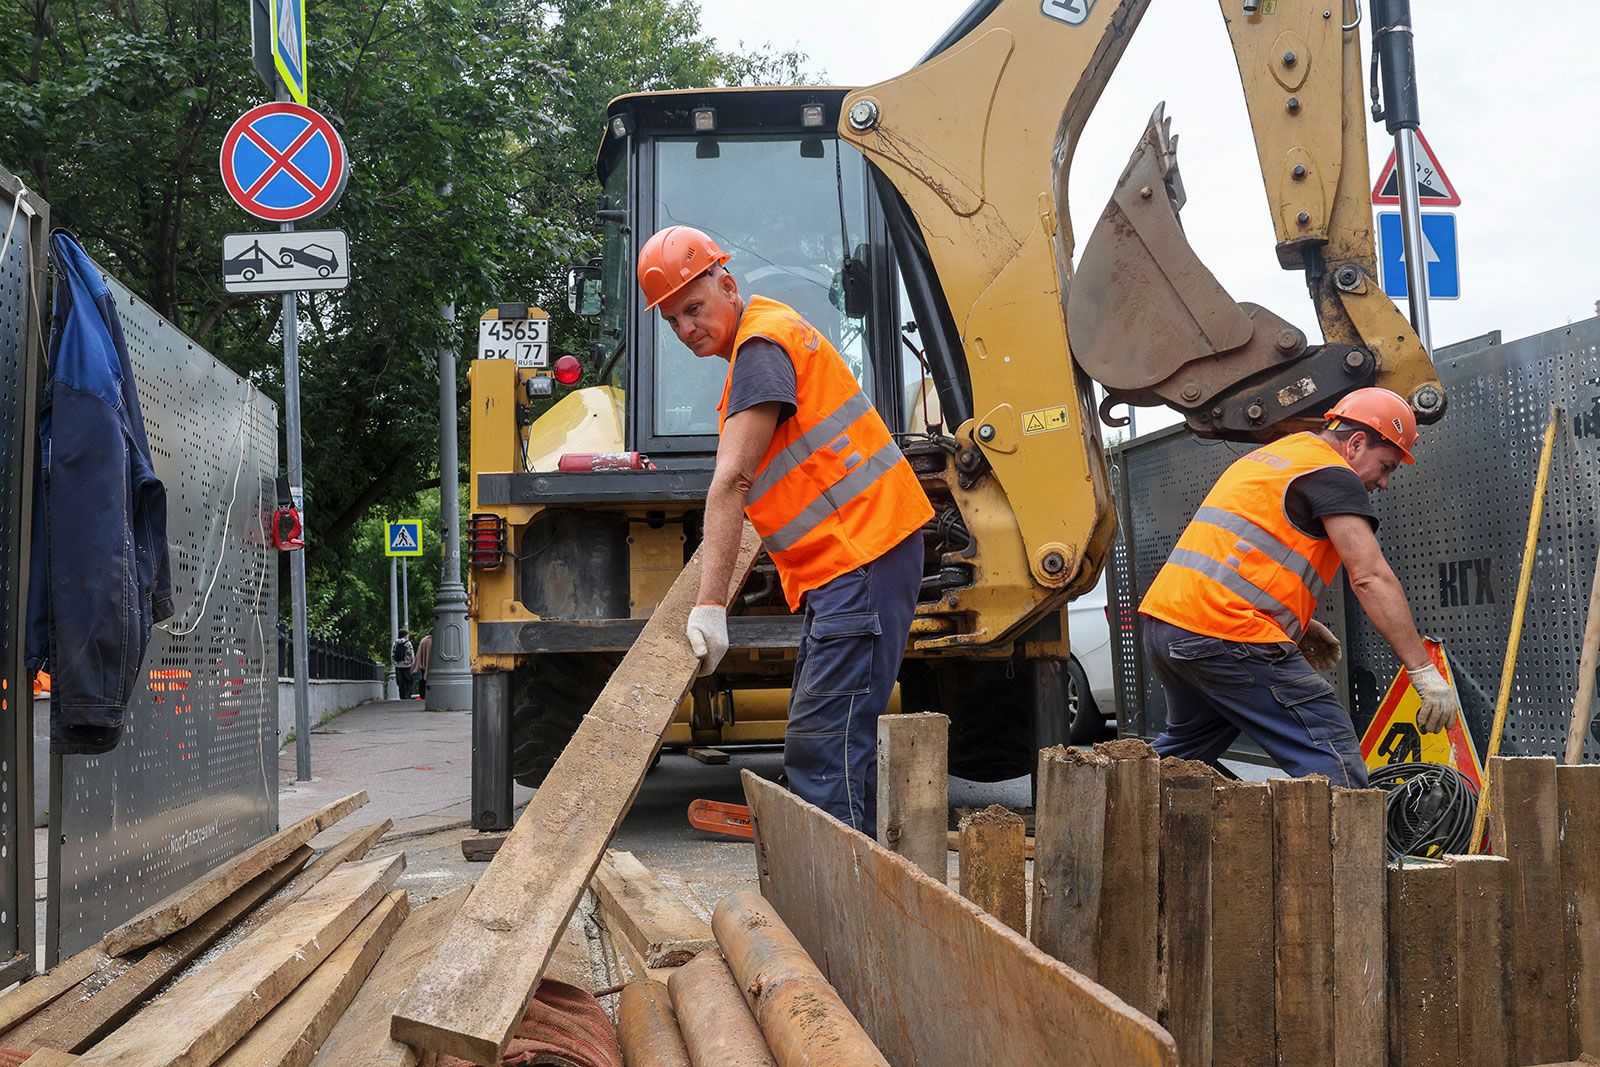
{"x": 1320, "y": 648}
{"x": 708, "y": 635}
{"x": 1439, "y": 704}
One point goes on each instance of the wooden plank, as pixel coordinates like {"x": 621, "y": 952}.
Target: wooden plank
{"x": 1578, "y": 803}
{"x": 1481, "y": 923}
{"x": 712, "y": 757}
{"x": 1360, "y": 949}
{"x": 965, "y": 988}
{"x": 200, "y": 896}
{"x": 480, "y": 848}
{"x": 1525, "y": 827}
{"x": 1068, "y": 867}
{"x": 356, "y": 845}
{"x": 469, "y": 998}
{"x": 1424, "y": 1019}
{"x": 1130, "y": 923}
{"x": 653, "y": 918}
{"x": 1242, "y": 1033}
{"x": 993, "y": 871}
{"x": 1303, "y": 909}
{"x": 361, "y": 1037}
{"x": 1186, "y": 916}
{"x": 914, "y": 788}
{"x": 953, "y": 843}
{"x": 206, "y": 1013}
{"x": 73, "y": 1024}
{"x": 49, "y": 1057}
{"x": 31, "y": 996}
{"x": 293, "y": 1032}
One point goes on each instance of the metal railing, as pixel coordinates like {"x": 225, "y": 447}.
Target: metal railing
{"x": 329, "y": 660}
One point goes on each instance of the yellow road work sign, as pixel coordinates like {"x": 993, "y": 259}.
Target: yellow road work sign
{"x": 1393, "y": 736}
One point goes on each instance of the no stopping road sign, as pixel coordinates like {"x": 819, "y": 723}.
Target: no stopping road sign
{"x": 284, "y": 162}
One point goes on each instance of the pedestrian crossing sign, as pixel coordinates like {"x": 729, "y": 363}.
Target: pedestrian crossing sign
{"x": 404, "y": 538}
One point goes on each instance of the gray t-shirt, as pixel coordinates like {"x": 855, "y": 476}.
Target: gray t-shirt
{"x": 762, "y": 373}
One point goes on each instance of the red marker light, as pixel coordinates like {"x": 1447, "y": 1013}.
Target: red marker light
{"x": 568, "y": 370}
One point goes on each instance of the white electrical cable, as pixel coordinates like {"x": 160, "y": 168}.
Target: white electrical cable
{"x": 226, "y": 515}
{"x": 16, "y": 207}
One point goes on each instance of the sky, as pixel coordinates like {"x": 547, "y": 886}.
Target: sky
{"x": 1508, "y": 104}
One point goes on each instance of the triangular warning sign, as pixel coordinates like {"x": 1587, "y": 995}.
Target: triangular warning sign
{"x": 1393, "y": 737}
{"x": 1434, "y": 188}
{"x": 402, "y": 539}
{"x": 1035, "y": 423}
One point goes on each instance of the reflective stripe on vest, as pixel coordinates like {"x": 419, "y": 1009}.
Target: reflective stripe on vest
{"x": 832, "y": 491}
{"x": 802, "y": 448}
{"x": 1242, "y": 571}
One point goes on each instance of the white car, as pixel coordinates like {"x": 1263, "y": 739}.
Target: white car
{"x": 1091, "y": 687}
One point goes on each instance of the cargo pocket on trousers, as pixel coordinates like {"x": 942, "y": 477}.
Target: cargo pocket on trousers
{"x": 839, "y": 656}
{"x": 1209, "y": 661}
{"x": 1312, "y": 702}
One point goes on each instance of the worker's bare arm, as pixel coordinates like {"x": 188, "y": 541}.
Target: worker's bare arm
{"x": 1376, "y": 586}
{"x": 745, "y": 437}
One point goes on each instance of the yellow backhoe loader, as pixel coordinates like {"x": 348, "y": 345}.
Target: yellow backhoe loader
{"x": 920, "y": 223}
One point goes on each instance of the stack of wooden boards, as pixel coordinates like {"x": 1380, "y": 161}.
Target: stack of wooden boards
{"x": 1260, "y": 922}
{"x": 297, "y": 942}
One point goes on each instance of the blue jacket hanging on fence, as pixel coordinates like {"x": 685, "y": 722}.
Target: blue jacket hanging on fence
{"x": 100, "y": 576}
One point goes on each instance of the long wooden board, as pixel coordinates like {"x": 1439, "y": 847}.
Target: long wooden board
{"x": 637, "y": 906}
{"x": 933, "y": 979}
{"x": 1525, "y": 827}
{"x": 207, "y": 1012}
{"x": 1303, "y": 906}
{"x": 75, "y": 1023}
{"x": 295, "y": 1029}
{"x": 1578, "y": 798}
{"x": 1242, "y": 1032}
{"x": 31, "y": 996}
{"x": 471, "y": 995}
{"x": 1424, "y": 1017}
{"x": 361, "y": 1037}
{"x": 200, "y": 896}
{"x": 1360, "y": 952}
{"x": 914, "y": 788}
{"x": 1481, "y": 922}
{"x": 1186, "y": 915}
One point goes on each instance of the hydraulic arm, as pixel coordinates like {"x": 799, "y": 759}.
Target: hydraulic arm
{"x": 978, "y": 157}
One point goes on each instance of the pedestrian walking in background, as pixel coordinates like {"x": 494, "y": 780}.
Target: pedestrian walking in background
{"x": 424, "y": 651}
{"x": 404, "y": 657}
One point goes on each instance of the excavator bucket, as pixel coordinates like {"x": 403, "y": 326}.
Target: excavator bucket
{"x": 1145, "y": 317}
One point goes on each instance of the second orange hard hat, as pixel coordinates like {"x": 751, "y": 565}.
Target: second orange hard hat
{"x": 674, "y": 257}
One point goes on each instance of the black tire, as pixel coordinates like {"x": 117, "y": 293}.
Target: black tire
{"x": 1085, "y": 722}
{"x": 286, "y": 260}
{"x": 549, "y": 697}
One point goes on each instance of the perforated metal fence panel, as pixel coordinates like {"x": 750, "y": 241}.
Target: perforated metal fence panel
{"x": 194, "y": 779}
{"x": 1453, "y": 528}
{"x": 22, "y": 277}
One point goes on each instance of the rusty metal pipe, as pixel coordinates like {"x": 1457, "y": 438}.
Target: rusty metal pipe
{"x": 647, "y": 1028}
{"x": 716, "y": 1024}
{"x": 801, "y": 1015}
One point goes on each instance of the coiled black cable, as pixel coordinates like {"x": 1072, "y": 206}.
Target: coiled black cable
{"x": 1430, "y": 808}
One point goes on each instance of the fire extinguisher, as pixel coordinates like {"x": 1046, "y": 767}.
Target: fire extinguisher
{"x": 288, "y": 533}
{"x": 605, "y": 461}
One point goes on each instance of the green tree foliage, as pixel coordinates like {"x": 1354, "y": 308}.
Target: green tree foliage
{"x": 471, "y": 126}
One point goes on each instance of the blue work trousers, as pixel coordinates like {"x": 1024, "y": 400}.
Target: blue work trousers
{"x": 1217, "y": 688}
{"x": 851, "y": 644}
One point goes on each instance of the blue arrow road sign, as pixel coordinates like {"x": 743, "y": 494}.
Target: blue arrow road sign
{"x": 1439, "y": 245}
{"x": 404, "y": 538}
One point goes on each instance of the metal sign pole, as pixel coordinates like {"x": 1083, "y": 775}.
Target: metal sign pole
{"x": 405, "y": 592}
{"x": 297, "y": 560}
{"x": 392, "y": 690}
{"x": 1397, "y": 62}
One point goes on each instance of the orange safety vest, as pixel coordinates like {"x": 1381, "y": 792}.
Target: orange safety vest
{"x": 1242, "y": 571}
{"x": 832, "y": 492}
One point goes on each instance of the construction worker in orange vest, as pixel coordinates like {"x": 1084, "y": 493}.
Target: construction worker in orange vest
{"x": 804, "y": 454}
{"x": 1229, "y": 627}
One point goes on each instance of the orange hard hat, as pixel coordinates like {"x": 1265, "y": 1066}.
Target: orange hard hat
{"x": 1384, "y": 412}
{"x": 673, "y": 258}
